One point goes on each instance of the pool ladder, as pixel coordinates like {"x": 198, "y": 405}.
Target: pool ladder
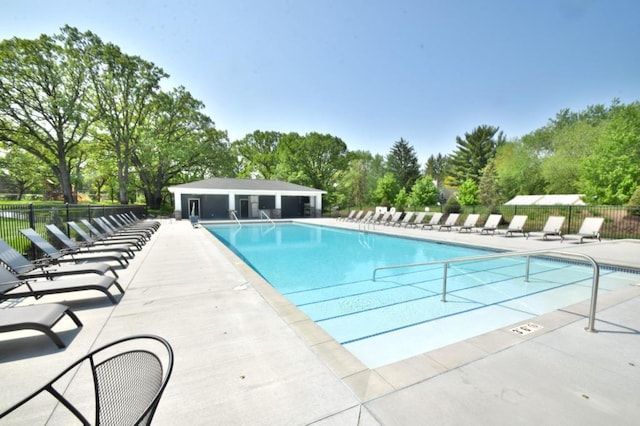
{"x": 528, "y": 254}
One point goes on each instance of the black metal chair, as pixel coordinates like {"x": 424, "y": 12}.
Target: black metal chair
{"x": 129, "y": 377}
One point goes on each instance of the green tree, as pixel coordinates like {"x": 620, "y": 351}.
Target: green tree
{"x": 124, "y": 87}
{"x": 173, "y": 138}
{"x": 43, "y": 102}
{"x": 572, "y": 142}
{"x": 423, "y": 193}
{"x": 518, "y": 168}
{"x": 474, "y": 151}
{"x": 314, "y": 159}
{"x": 490, "y": 193}
{"x": 386, "y": 190}
{"x": 23, "y": 169}
{"x": 437, "y": 167}
{"x": 611, "y": 172}
{"x": 402, "y": 161}
{"x": 402, "y": 199}
{"x": 259, "y": 153}
{"x": 468, "y": 194}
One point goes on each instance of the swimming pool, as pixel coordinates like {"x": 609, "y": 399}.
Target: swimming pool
{"x": 328, "y": 274}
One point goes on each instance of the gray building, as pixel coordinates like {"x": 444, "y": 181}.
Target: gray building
{"x": 218, "y": 198}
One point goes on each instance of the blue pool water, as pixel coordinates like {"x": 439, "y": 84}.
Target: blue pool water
{"x": 328, "y": 274}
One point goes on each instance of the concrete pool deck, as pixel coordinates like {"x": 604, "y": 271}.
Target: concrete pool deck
{"x": 244, "y": 355}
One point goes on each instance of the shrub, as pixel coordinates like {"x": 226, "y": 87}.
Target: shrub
{"x": 634, "y": 202}
{"x": 452, "y": 205}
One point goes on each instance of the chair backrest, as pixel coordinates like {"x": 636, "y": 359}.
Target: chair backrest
{"x": 471, "y": 220}
{"x": 452, "y": 219}
{"x": 554, "y": 224}
{"x": 518, "y": 222}
{"x": 395, "y": 217}
{"x": 129, "y": 377}
{"x": 435, "y": 219}
{"x": 41, "y": 243}
{"x": 407, "y": 217}
{"x": 57, "y": 232}
{"x": 81, "y": 232}
{"x": 419, "y": 217}
{"x": 493, "y": 221}
{"x": 385, "y": 216}
{"x": 8, "y": 281}
{"x": 13, "y": 259}
{"x": 591, "y": 226}
{"x": 95, "y": 231}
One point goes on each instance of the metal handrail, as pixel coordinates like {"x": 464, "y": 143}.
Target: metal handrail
{"x": 262, "y": 213}
{"x": 233, "y": 213}
{"x": 528, "y": 254}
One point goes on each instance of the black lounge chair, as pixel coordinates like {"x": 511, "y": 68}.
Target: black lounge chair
{"x": 24, "y": 269}
{"x": 124, "y": 222}
{"x": 148, "y": 222}
{"x": 89, "y": 241}
{"x": 67, "y": 255}
{"x": 128, "y": 378}
{"x": 36, "y": 317}
{"x": 107, "y": 236}
{"x": 75, "y": 248}
{"x": 107, "y": 227}
{"x": 12, "y": 287}
{"x": 121, "y": 225}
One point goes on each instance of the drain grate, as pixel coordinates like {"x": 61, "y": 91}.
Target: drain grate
{"x": 527, "y": 328}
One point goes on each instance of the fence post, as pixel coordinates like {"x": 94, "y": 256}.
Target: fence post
{"x": 66, "y": 222}
{"x": 569, "y": 225}
{"x": 32, "y": 217}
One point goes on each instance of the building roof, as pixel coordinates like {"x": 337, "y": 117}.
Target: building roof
{"x": 231, "y": 184}
{"x": 547, "y": 200}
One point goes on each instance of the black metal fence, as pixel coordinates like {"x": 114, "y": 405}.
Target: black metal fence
{"x": 620, "y": 221}
{"x": 14, "y": 217}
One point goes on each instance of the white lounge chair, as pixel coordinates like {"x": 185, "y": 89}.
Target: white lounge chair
{"x": 450, "y": 222}
{"x": 417, "y": 220}
{"x": 356, "y": 217}
{"x": 348, "y": 217}
{"x": 491, "y": 225}
{"x": 553, "y": 228}
{"x": 435, "y": 219}
{"x": 516, "y": 226}
{"x": 385, "y": 217}
{"x": 393, "y": 219}
{"x": 589, "y": 230}
{"x": 405, "y": 220}
{"x": 469, "y": 223}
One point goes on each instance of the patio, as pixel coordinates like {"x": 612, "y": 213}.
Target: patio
{"x": 244, "y": 355}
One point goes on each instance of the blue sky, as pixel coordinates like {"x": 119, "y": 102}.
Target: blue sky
{"x": 369, "y": 72}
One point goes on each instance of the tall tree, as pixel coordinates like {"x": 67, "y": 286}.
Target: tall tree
{"x": 23, "y": 170}
{"x": 518, "y": 169}
{"x": 474, "y": 151}
{"x": 437, "y": 167}
{"x": 174, "y": 137}
{"x": 124, "y": 87}
{"x": 402, "y": 161}
{"x": 43, "y": 102}
{"x": 490, "y": 192}
{"x": 313, "y": 159}
{"x": 386, "y": 190}
{"x": 423, "y": 193}
{"x": 611, "y": 171}
{"x": 259, "y": 153}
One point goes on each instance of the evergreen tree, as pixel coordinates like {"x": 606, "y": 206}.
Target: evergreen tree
{"x": 402, "y": 161}
{"x": 474, "y": 152}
